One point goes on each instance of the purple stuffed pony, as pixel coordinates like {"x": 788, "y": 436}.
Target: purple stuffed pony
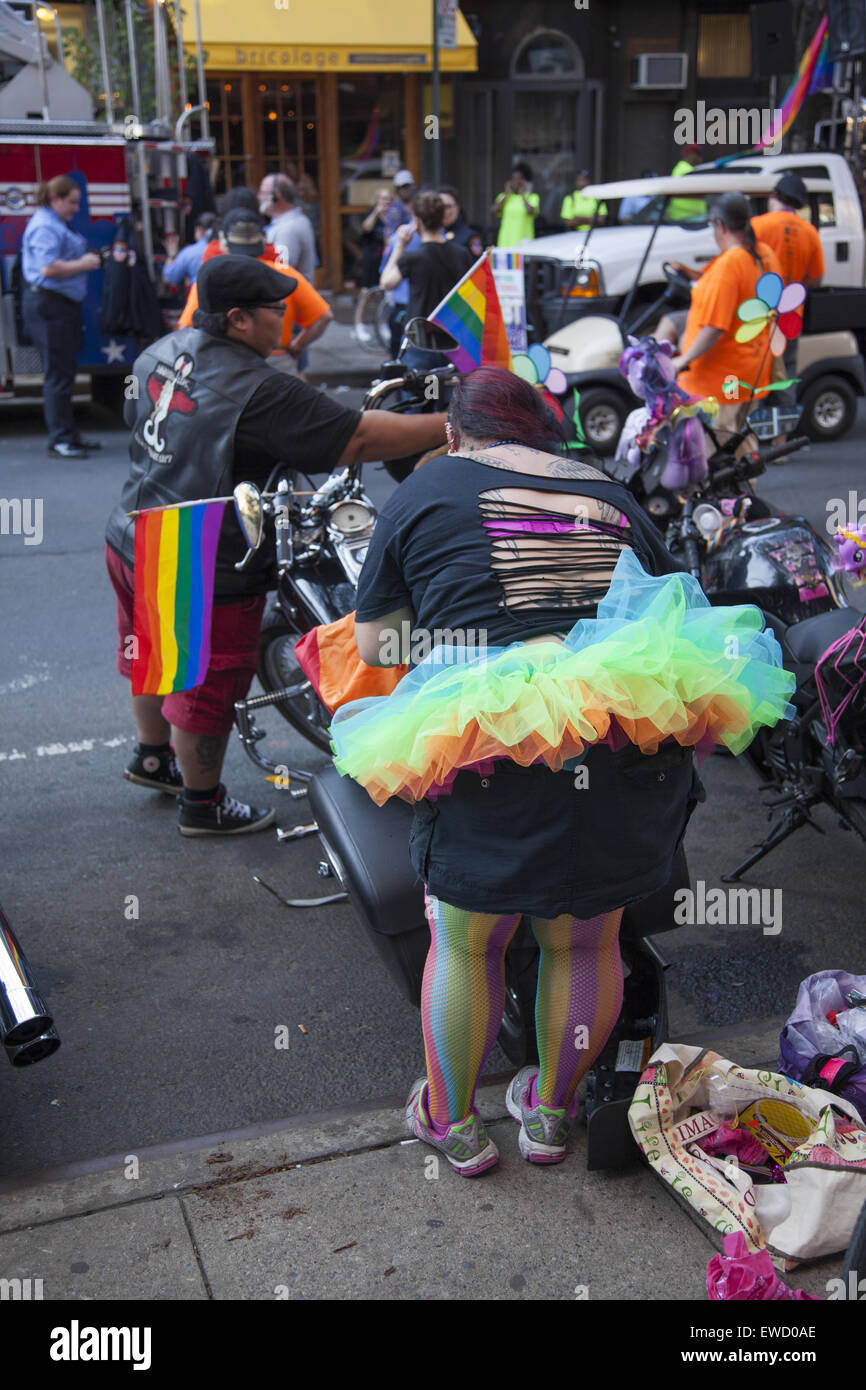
{"x": 852, "y": 553}
{"x": 648, "y": 368}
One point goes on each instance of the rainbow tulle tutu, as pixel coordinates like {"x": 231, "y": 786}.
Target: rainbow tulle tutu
{"x": 657, "y": 663}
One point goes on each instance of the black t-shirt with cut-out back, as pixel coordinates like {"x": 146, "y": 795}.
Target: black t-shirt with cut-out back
{"x": 470, "y": 546}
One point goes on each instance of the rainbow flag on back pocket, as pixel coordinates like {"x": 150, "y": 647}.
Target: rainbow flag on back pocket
{"x": 175, "y": 564}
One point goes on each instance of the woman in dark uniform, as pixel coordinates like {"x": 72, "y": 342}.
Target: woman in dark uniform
{"x": 55, "y": 264}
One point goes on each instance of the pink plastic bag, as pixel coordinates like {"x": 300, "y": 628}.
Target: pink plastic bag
{"x": 739, "y": 1276}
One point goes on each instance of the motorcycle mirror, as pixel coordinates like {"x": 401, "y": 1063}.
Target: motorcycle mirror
{"x": 248, "y": 510}
{"x": 422, "y": 333}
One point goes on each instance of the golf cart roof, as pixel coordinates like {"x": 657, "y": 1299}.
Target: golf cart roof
{"x": 694, "y": 185}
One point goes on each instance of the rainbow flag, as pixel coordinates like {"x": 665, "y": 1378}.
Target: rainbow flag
{"x": 472, "y": 314}
{"x": 810, "y": 64}
{"x": 175, "y": 564}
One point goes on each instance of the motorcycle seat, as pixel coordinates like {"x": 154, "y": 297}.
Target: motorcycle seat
{"x": 807, "y": 641}
{"x": 372, "y": 844}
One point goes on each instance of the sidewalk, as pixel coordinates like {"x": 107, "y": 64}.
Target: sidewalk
{"x": 343, "y": 1206}
{"x": 337, "y": 358}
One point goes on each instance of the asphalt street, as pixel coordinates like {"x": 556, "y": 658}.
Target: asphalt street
{"x": 171, "y": 974}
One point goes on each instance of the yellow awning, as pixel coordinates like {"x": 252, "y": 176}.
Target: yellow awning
{"x": 334, "y": 36}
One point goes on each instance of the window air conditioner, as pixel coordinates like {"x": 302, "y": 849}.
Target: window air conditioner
{"x": 652, "y": 70}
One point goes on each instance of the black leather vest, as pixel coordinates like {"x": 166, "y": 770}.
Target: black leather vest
{"x": 190, "y": 390}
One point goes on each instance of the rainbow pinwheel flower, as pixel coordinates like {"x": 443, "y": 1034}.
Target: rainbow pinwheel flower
{"x": 775, "y": 303}
{"x": 535, "y": 367}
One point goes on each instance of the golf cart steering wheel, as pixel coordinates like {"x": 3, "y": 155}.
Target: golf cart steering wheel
{"x": 676, "y": 280}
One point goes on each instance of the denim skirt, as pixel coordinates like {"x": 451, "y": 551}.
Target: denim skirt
{"x": 582, "y": 841}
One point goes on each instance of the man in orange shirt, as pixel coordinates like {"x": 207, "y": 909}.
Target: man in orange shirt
{"x": 798, "y": 246}
{"x": 794, "y": 240}
{"x": 242, "y": 235}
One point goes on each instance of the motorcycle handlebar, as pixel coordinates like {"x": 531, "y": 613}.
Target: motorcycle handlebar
{"x": 754, "y": 465}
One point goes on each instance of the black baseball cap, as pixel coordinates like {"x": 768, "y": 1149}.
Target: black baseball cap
{"x": 243, "y": 233}
{"x": 792, "y": 190}
{"x": 240, "y": 282}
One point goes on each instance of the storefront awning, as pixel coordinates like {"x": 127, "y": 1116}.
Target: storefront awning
{"x": 338, "y": 36}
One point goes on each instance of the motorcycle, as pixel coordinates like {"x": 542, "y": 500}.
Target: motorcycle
{"x": 701, "y": 496}
{"x": 741, "y": 552}
{"x": 819, "y": 756}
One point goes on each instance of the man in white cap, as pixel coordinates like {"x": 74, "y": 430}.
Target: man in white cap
{"x": 400, "y": 210}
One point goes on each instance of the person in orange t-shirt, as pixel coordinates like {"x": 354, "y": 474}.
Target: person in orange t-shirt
{"x": 797, "y": 244}
{"x": 242, "y": 235}
{"x": 795, "y": 241}
{"x": 712, "y": 361}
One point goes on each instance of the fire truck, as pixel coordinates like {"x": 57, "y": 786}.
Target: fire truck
{"x": 132, "y": 175}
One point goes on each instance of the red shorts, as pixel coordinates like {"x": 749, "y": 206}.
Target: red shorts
{"x": 234, "y": 640}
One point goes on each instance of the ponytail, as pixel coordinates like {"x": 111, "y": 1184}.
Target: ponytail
{"x": 58, "y": 187}
{"x": 751, "y": 244}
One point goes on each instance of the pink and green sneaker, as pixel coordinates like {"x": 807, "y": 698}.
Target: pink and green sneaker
{"x": 543, "y": 1129}
{"x": 465, "y": 1144}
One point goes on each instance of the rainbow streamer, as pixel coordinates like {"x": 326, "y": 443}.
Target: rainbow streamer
{"x": 472, "y": 314}
{"x": 796, "y": 94}
{"x": 371, "y": 137}
{"x": 175, "y": 565}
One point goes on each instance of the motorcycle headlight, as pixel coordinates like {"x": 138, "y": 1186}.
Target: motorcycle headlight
{"x": 350, "y": 519}
{"x": 707, "y": 518}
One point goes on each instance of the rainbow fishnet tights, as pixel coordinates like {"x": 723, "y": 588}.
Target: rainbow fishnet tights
{"x": 463, "y": 998}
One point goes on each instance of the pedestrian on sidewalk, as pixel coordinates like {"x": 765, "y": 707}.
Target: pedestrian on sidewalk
{"x": 289, "y": 230}
{"x": 55, "y": 264}
{"x": 516, "y": 208}
{"x": 455, "y": 225}
{"x": 183, "y": 264}
{"x": 307, "y": 313}
{"x": 229, "y": 419}
{"x": 432, "y": 270}
{"x": 524, "y": 756}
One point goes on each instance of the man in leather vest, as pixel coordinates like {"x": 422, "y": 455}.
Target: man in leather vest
{"x": 207, "y": 412}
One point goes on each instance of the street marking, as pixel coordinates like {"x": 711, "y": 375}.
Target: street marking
{"x": 54, "y": 750}
{"x": 23, "y": 683}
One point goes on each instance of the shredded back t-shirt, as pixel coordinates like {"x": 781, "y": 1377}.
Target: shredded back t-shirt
{"x": 468, "y": 546}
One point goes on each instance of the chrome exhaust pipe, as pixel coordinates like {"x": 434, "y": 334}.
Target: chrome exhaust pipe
{"x": 26, "y": 1027}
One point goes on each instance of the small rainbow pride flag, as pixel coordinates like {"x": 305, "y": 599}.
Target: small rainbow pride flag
{"x": 175, "y": 564}
{"x": 472, "y": 314}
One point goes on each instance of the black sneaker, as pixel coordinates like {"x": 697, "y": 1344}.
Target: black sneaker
{"x": 159, "y": 771}
{"x": 88, "y": 444}
{"x": 225, "y": 816}
{"x": 65, "y": 450}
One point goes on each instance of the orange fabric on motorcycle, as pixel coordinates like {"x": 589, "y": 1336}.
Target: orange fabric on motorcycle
{"x": 328, "y": 657}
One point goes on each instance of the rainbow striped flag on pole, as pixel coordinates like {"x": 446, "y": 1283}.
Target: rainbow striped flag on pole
{"x": 472, "y": 314}
{"x": 175, "y": 565}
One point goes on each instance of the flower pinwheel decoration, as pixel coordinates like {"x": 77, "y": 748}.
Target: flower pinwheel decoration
{"x": 535, "y": 367}
{"x": 774, "y": 303}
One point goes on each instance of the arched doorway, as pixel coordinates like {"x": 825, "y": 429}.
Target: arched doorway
{"x": 545, "y": 114}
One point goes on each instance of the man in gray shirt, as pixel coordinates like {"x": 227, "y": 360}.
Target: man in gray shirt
{"x": 290, "y": 230}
